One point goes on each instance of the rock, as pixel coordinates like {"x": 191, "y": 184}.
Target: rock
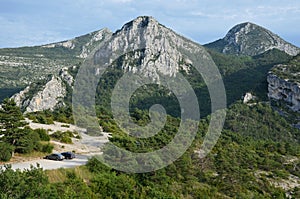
{"x": 67, "y": 44}
{"x": 65, "y": 76}
{"x": 48, "y": 97}
{"x": 97, "y": 37}
{"x": 163, "y": 52}
{"x": 251, "y": 39}
{"x": 248, "y": 97}
{"x": 283, "y": 89}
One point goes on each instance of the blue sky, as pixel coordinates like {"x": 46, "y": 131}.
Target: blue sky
{"x": 35, "y": 22}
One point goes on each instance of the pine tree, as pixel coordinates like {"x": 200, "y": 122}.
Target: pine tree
{"x": 11, "y": 122}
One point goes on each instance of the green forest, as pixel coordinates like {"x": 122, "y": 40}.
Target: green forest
{"x": 257, "y": 148}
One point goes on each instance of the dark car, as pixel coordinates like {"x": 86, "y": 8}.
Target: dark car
{"x": 54, "y": 156}
{"x": 68, "y": 155}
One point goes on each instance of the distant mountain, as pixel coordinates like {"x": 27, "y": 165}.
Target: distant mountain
{"x": 251, "y": 39}
{"x": 81, "y": 46}
{"x": 21, "y": 66}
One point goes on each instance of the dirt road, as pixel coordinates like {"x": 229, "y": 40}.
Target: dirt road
{"x": 51, "y": 164}
{"x": 84, "y": 148}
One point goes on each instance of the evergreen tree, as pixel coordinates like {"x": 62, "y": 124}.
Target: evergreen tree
{"x": 11, "y": 123}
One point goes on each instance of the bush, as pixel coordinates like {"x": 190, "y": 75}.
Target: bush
{"x": 64, "y": 137}
{"x": 43, "y": 134}
{"x": 6, "y": 151}
{"x": 47, "y": 148}
{"x": 41, "y": 119}
{"x": 29, "y": 142}
{"x": 66, "y": 140}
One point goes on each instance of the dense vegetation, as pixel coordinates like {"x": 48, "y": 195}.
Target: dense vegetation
{"x": 256, "y": 150}
{"x": 241, "y": 74}
{"x": 16, "y": 137}
{"x": 289, "y": 70}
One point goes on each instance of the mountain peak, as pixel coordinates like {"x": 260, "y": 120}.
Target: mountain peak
{"x": 250, "y": 39}
{"x": 158, "y": 49}
{"x": 245, "y": 28}
{"x": 144, "y": 20}
{"x": 139, "y": 22}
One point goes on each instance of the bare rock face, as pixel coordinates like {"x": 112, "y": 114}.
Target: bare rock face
{"x": 47, "y": 97}
{"x": 66, "y": 77}
{"x": 248, "y": 97}
{"x": 67, "y": 44}
{"x": 84, "y": 44}
{"x": 97, "y": 37}
{"x": 283, "y": 89}
{"x": 251, "y": 39}
{"x": 162, "y": 50}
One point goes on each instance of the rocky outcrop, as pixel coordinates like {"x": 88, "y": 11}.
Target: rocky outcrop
{"x": 251, "y": 39}
{"x": 248, "y": 97}
{"x": 83, "y": 44}
{"x": 46, "y": 97}
{"x": 67, "y": 44}
{"x": 283, "y": 89}
{"x": 97, "y": 37}
{"x": 66, "y": 76}
{"x": 162, "y": 50}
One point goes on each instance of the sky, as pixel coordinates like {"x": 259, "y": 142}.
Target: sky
{"x": 36, "y": 22}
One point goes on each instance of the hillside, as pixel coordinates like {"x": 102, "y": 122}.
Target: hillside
{"x": 21, "y": 66}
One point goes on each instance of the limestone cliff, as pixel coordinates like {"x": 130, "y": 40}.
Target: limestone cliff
{"x": 47, "y": 94}
{"x": 162, "y": 50}
{"x": 284, "y": 83}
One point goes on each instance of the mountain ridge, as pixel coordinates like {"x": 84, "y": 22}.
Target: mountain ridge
{"x": 250, "y": 39}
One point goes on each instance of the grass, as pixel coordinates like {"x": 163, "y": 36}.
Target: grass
{"x": 60, "y": 175}
{"x": 34, "y": 154}
{"x": 26, "y": 157}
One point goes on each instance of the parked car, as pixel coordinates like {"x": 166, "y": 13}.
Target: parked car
{"x": 68, "y": 155}
{"x": 54, "y": 156}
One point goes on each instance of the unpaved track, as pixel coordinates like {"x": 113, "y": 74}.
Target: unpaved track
{"x": 85, "y": 148}
{"x": 51, "y": 164}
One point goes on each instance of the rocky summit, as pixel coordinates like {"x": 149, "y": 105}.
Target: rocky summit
{"x": 161, "y": 50}
{"x": 251, "y": 39}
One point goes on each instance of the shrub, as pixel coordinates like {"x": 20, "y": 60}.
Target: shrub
{"x": 66, "y": 140}
{"x": 29, "y": 142}
{"x": 6, "y": 151}
{"x": 47, "y": 148}
{"x": 43, "y": 134}
{"x": 64, "y": 137}
{"x": 41, "y": 119}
